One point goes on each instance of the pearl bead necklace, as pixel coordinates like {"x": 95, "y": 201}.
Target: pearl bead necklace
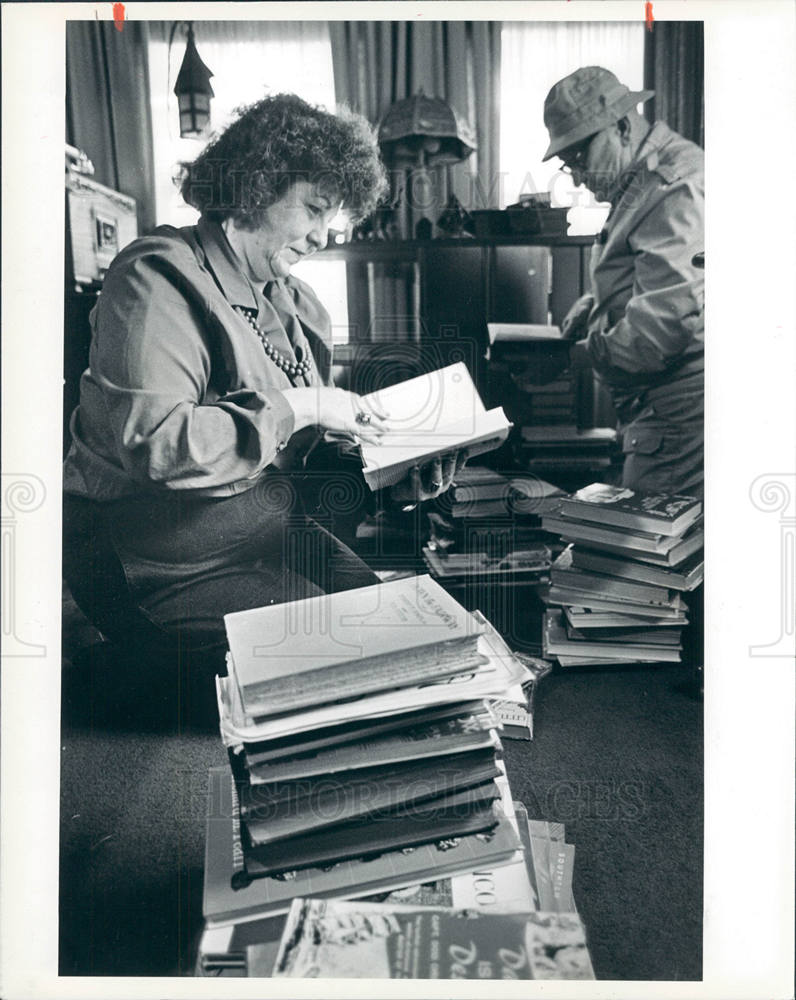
{"x": 290, "y": 367}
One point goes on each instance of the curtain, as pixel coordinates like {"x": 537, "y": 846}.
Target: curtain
{"x": 377, "y": 63}
{"x": 674, "y": 61}
{"x": 107, "y": 107}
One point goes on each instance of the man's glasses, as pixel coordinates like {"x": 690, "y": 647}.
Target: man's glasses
{"x": 574, "y": 158}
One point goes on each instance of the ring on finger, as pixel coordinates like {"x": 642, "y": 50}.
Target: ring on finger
{"x": 362, "y": 417}
{"x": 435, "y": 485}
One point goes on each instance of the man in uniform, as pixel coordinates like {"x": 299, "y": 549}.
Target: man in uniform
{"x": 642, "y": 325}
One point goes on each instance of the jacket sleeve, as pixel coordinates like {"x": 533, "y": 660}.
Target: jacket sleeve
{"x": 664, "y": 312}
{"x": 152, "y": 357}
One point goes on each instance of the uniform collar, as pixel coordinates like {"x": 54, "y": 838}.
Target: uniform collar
{"x": 220, "y": 257}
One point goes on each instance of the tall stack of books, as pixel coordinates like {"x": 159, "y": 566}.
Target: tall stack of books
{"x": 616, "y": 591}
{"x": 362, "y": 743}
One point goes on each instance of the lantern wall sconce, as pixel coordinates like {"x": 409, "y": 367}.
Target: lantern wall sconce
{"x": 193, "y": 89}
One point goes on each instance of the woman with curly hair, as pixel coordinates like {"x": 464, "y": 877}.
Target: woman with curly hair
{"x": 208, "y": 383}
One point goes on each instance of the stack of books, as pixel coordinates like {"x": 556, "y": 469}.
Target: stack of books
{"x": 535, "y": 886}
{"x": 362, "y": 742}
{"x": 617, "y": 590}
{"x": 529, "y": 373}
{"x": 563, "y": 448}
{"x": 480, "y": 492}
{"x": 489, "y": 527}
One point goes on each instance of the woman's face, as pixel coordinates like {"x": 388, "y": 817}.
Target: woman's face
{"x": 294, "y": 227}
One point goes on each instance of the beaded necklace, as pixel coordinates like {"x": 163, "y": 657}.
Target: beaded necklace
{"x": 290, "y": 367}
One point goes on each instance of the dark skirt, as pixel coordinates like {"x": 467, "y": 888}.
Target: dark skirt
{"x": 161, "y": 569}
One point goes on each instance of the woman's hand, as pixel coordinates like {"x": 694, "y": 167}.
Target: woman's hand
{"x": 336, "y": 410}
{"x": 430, "y": 481}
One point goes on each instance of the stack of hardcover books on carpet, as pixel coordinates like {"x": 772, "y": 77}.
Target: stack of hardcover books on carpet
{"x": 362, "y": 742}
{"x": 616, "y": 591}
{"x": 489, "y": 527}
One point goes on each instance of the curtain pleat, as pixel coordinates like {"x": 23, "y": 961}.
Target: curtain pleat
{"x": 674, "y": 60}
{"x": 107, "y": 107}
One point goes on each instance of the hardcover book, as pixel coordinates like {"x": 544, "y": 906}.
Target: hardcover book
{"x": 605, "y": 536}
{"x": 307, "y": 743}
{"x": 290, "y": 807}
{"x": 687, "y": 576}
{"x": 522, "y": 333}
{"x": 491, "y": 679}
{"x": 657, "y": 513}
{"x": 589, "y": 618}
{"x": 565, "y": 574}
{"x": 342, "y": 645}
{"x": 556, "y": 641}
{"x": 334, "y": 938}
{"x": 432, "y": 739}
{"x": 398, "y": 830}
{"x": 646, "y": 612}
{"x": 432, "y": 415}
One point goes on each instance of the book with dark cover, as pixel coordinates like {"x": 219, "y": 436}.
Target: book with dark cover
{"x": 568, "y": 433}
{"x": 431, "y": 739}
{"x": 428, "y": 416}
{"x": 292, "y": 807}
{"x": 261, "y": 897}
{"x": 262, "y": 752}
{"x": 334, "y": 938}
{"x": 341, "y": 645}
{"x": 687, "y": 576}
{"x": 605, "y": 536}
{"x": 564, "y": 573}
{"x": 365, "y": 839}
{"x": 657, "y": 513}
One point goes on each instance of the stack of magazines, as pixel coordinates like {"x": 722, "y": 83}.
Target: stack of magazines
{"x": 362, "y": 739}
{"x": 616, "y": 591}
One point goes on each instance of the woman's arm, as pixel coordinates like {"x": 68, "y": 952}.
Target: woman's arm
{"x": 158, "y": 361}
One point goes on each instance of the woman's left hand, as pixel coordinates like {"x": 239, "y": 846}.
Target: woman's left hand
{"x": 428, "y": 481}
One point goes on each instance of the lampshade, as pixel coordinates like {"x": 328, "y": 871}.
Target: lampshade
{"x": 425, "y": 130}
{"x": 193, "y": 91}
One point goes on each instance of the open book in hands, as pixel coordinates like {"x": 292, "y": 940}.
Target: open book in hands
{"x": 435, "y": 414}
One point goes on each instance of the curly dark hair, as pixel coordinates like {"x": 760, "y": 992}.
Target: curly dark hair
{"x": 272, "y": 144}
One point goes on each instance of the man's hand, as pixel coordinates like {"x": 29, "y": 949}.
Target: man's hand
{"x": 430, "y": 481}
{"x": 575, "y": 323}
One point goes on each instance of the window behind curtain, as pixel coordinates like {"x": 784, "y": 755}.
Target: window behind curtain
{"x": 249, "y": 60}
{"x": 534, "y": 56}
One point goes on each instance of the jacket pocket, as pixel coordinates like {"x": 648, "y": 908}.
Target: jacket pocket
{"x": 642, "y": 442}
